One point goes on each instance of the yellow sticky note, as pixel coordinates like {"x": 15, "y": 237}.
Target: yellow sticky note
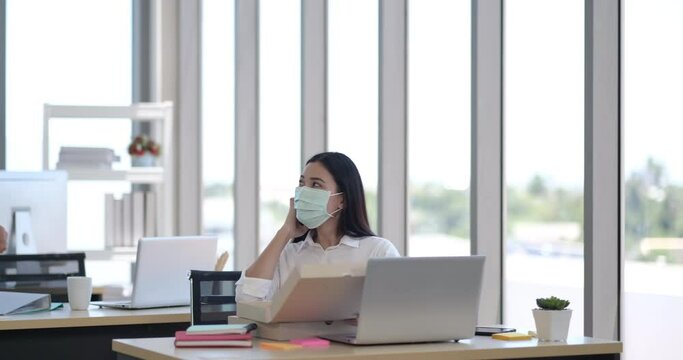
{"x": 511, "y": 336}
{"x": 279, "y": 346}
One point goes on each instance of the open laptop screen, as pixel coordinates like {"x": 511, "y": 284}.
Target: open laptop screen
{"x": 162, "y": 267}
{"x": 418, "y": 299}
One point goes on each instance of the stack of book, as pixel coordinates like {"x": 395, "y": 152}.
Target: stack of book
{"x": 86, "y": 158}
{"x": 222, "y": 335}
{"x": 129, "y": 217}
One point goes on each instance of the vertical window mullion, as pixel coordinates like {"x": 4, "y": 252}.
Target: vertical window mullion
{"x": 486, "y": 212}
{"x": 603, "y": 214}
{"x": 246, "y": 188}
{"x": 188, "y": 109}
{"x": 313, "y": 78}
{"x": 393, "y": 154}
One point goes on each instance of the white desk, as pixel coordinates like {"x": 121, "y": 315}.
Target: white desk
{"x": 480, "y": 347}
{"x": 67, "y": 334}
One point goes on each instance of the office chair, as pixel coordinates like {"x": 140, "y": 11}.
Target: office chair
{"x": 213, "y": 296}
{"x": 40, "y": 273}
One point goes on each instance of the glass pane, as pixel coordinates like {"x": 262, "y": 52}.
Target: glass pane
{"x": 75, "y": 52}
{"x": 353, "y": 88}
{"x": 279, "y": 111}
{"x": 218, "y": 122}
{"x": 653, "y": 54}
{"x": 439, "y": 114}
{"x": 544, "y": 117}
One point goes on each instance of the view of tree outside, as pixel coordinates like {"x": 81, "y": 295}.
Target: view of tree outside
{"x": 652, "y": 58}
{"x": 439, "y": 118}
{"x": 544, "y": 150}
{"x": 217, "y": 108}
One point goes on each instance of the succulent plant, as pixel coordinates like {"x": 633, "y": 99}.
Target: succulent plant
{"x": 552, "y": 303}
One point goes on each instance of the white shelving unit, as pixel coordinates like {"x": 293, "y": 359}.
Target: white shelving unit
{"x": 160, "y": 116}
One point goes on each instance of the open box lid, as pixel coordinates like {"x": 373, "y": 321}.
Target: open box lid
{"x": 313, "y": 292}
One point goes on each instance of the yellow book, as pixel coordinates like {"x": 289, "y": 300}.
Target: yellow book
{"x": 511, "y": 336}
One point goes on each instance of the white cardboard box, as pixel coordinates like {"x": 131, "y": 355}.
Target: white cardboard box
{"x": 313, "y": 292}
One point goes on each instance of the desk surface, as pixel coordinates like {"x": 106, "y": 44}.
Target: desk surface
{"x": 480, "y": 347}
{"x": 94, "y": 316}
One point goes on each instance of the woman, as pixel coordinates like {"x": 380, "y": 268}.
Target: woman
{"x": 327, "y": 223}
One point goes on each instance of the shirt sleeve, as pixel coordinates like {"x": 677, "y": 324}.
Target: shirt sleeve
{"x": 385, "y": 249}
{"x": 256, "y": 289}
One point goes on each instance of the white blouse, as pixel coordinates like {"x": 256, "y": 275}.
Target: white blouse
{"x": 348, "y": 250}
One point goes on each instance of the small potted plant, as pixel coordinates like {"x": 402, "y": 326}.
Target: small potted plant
{"x": 143, "y": 151}
{"x": 552, "y": 319}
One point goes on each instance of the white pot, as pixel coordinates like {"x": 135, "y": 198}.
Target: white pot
{"x": 144, "y": 160}
{"x": 552, "y": 325}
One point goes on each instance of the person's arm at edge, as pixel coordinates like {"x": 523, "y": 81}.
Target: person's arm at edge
{"x": 3, "y": 239}
{"x": 265, "y": 264}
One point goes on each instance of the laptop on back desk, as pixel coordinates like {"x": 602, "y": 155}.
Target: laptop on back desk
{"x": 418, "y": 299}
{"x": 162, "y": 265}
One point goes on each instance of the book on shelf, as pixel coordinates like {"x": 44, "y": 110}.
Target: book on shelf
{"x": 211, "y": 329}
{"x": 12, "y": 303}
{"x": 150, "y": 214}
{"x": 86, "y": 158}
{"x": 84, "y": 150}
{"x": 83, "y": 165}
{"x": 138, "y": 217}
{"x": 182, "y": 339}
{"x": 129, "y": 218}
{"x": 127, "y": 231}
{"x": 118, "y": 222}
{"x": 86, "y": 153}
{"x": 109, "y": 221}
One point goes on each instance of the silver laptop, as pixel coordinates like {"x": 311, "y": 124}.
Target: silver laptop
{"x": 163, "y": 263}
{"x": 418, "y": 299}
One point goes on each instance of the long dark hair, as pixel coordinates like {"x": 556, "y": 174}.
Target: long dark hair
{"x": 353, "y": 219}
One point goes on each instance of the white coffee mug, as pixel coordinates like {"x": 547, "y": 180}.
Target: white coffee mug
{"x": 79, "y": 290}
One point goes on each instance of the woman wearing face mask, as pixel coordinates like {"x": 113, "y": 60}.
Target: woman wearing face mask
{"x": 327, "y": 223}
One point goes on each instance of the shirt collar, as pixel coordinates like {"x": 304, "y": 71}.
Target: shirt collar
{"x": 345, "y": 240}
{"x": 349, "y": 241}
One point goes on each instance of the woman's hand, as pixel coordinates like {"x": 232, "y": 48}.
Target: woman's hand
{"x": 292, "y": 227}
{"x": 265, "y": 264}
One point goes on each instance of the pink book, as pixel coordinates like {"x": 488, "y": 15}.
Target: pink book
{"x": 219, "y": 340}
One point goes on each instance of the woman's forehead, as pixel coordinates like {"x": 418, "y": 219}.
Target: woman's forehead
{"x": 317, "y": 170}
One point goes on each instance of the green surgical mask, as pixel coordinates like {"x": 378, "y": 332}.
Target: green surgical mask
{"x": 311, "y": 206}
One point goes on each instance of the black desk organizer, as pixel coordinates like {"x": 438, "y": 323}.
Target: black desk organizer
{"x": 213, "y": 296}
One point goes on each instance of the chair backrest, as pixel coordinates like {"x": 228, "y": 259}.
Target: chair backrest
{"x": 40, "y": 273}
{"x": 213, "y": 296}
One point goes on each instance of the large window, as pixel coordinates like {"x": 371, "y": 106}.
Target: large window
{"x": 218, "y": 124}
{"x": 653, "y": 54}
{"x": 63, "y": 52}
{"x": 544, "y": 117}
{"x": 75, "y": 52}
{"x": 353, "y": 89}
{"x": 279, "y": 111}
{"x": 439, "y": 127}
